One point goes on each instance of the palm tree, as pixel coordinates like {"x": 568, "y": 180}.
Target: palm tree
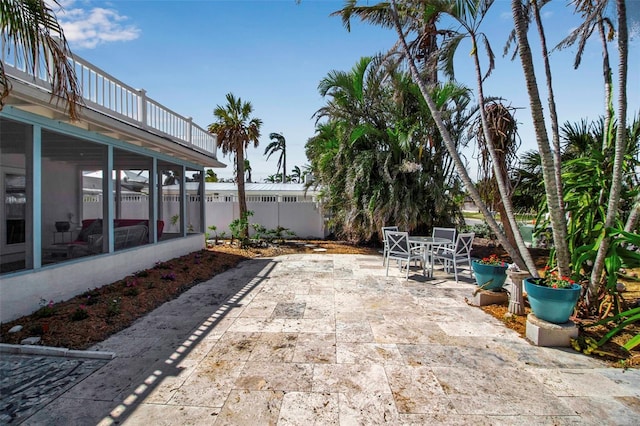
{"x": 619, "y": 147}
{"x": 446, "y": 134}
{"x": 247, "y": 169}
{"x": 554, "y": 198}
{"x": 32, "y": 29}
{"x": 378, "y": 155}
{"x": 278, "y": 144}
{"x": 210, "y": 176}
{"x": 235, "y": 129}
{"x": 296, "y": 175}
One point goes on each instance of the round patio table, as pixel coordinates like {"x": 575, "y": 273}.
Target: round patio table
{"x": 427, "y": 244}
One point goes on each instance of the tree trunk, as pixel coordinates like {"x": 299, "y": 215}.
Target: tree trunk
{"x": 242, "y": 201}
{"x": 554, "y": 199}
{"x": 553, "y": 116}
{"x": 634, "y": 216}
{"x": 451, "y": 148}
{"x": 620, "y": 148}
{"x": 507, "y": 214}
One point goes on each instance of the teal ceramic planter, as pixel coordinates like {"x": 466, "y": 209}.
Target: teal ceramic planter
{"x": 552, "y": 304}
{"x": 489, "y": 277}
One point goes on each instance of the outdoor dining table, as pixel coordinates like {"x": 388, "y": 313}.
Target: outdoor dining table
{"x": 427, "y": 244}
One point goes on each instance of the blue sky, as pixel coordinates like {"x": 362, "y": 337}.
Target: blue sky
{"x": 189, "y": 54}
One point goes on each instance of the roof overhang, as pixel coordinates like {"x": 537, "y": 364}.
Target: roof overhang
{"x": 33, "y": 99}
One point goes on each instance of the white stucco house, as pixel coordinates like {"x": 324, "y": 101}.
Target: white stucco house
{"x": 56, "y": 238}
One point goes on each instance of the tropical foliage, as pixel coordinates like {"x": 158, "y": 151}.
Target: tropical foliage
{"x": 377, "y": 155}
{"x": 235, "y": 130}
{"x": 37, "y": 38}
{"x": 278, "y": 144}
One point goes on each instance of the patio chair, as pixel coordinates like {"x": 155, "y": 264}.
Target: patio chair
{"x": 385, "y": 247}
{"x": 460, "y": 254}
{"x": 448, "y": 233}
{"x": 400, "y": 250}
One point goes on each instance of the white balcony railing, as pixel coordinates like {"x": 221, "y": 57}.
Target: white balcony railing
{"x": 108, "y": 95}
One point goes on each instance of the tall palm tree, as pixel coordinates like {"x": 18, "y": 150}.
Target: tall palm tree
{"x": 278, "y": 143}
{"x": 554, "y": 198}
{"x": 32, "y": 30}
{"x": 446, "y": 134}
{"x": 235, "y": 130}
{"x": 593, "y": 13}
{"x": 619, "y": 147}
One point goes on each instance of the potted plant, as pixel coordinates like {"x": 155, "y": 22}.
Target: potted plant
{"x": 490, "y": 272}
{"x": 552, "y": 297}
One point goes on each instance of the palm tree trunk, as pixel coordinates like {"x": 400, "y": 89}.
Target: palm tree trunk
{"x": 511, "y": 226}
{"x": 242, "y": 200}
{"x": 634, "y": 216}
{"x": 620, "y": 147}
{"x": 553, "y": 115}
{"x": 554, "y": 199}
{"x": 451, "y": 148}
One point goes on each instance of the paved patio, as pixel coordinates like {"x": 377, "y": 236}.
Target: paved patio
{"x": 329, "y": 340}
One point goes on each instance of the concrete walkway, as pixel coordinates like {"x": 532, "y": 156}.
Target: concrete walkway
{"x": 329, "y": 340}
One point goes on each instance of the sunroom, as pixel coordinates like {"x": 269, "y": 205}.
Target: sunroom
{"x": 59, "y": 234}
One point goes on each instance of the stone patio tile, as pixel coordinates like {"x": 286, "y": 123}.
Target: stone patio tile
{"x": 169, "y": 415}
{"x": 605, "y": 410}
{"x": 581, "y": 382}
{"x": 275, "y": 376}
{"x": 163, "y": 389}
{"x": 445, "y": 419}
{"x": 354, "y": 330}
{"x": 627, "y": 378}
{"x": 259, "y": 309}
{"x": 233, "y": 346}
{"x": 350, "y": 378}
{"x": 474, "y": 329}
{"x": 498, "y": 391}
{"x": 409, "y": 331}
{"x": 274, "y": 347}
{"x": 541, "y": 357}
{"x": 416, "y": 390}
{"x": 209, "y": 385}
{"x": 519, "y": 420}
{"x": 251, "y": 408}
{"x": 364, "y": 353}
{"x": 435, "y": 355}
{"x": 367, "y": 409}
{"x": 248, "y": 325}
{"x": 218, "y": 325}
{"x": 315, "y": 348}
{"x": 309, "y": 408}
{"x": 309, "y": 325}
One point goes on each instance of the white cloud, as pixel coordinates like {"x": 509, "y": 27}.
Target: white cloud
{"x": 87, "y": 27}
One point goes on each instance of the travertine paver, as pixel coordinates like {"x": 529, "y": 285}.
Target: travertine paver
{"x": 329, "y": 340}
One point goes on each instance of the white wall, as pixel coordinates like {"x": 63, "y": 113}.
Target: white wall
{"x": 305, "y": 219}
{"x": 21, "y": 292}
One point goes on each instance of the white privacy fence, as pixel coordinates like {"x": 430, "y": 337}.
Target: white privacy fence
{"x": 301, "y": 215}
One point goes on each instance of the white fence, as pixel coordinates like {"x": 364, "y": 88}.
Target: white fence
{"x": 300, "y": 215}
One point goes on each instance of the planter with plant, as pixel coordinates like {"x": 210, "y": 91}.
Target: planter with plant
{"x": 552, "y": 297}
{"x": 490, "y": 272}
